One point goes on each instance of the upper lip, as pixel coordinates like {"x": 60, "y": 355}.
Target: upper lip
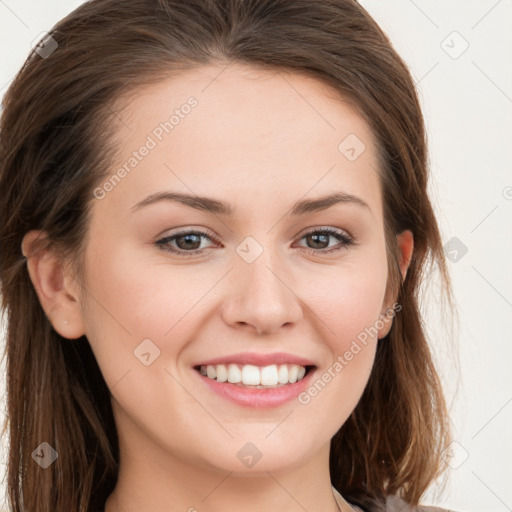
{"x": 258, "y": 359}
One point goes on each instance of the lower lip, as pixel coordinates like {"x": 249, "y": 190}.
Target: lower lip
{"x": 254, "y": 397}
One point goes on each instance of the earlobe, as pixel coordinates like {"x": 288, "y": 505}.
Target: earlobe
{"x": 56, "y": 291}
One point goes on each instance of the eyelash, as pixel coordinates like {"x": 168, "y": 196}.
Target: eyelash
{"x": 344, "y": 237}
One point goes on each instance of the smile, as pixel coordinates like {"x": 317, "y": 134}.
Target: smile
{"x": 252, "y": 388}
{"x": 261, "y": 377}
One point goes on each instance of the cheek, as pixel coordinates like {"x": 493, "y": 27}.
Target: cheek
{"x": 349, "y": 313}
{"x": 354, "y": 307}
{"x": 349, "y": 307}
{"x": 350, "y": 300}
{"x": 127, "y": 304}
{"x": 136, "y": 295}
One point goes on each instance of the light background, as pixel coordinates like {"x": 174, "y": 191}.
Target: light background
{"x": 467, "y": 101}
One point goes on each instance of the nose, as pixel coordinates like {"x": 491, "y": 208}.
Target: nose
{"x": 261, "y": 297}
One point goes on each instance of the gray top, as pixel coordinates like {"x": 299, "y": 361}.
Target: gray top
{"x": 395, "y": 504}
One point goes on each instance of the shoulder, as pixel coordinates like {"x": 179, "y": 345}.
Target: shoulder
{"x": 396, "y": 504}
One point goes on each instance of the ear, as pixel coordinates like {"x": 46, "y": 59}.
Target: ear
{"x": 57, "y": 291}
{"x": 405, "y": 241}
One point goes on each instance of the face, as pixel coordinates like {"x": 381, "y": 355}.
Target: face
{"x": 272, "y": 283}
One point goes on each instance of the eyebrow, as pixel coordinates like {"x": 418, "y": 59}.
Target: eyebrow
{"x": 217, "y": 207}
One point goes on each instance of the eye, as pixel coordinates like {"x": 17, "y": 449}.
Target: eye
{"x": 319, "y": 237}
{"x": 189, "y": 242}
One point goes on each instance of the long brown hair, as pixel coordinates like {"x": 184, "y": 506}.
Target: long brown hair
{"x": 54, "y": 150}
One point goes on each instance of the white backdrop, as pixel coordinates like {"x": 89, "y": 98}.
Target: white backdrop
{"x": 460, "y": 54}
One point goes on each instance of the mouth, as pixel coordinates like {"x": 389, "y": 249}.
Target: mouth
{"x": 255, "y": 377}
{"x": 251, "y": 379}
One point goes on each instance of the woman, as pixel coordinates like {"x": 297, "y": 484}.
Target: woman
{"x": 280, "y": 362}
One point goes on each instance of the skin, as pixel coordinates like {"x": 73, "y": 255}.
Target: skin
{"x": 259, "y": 140}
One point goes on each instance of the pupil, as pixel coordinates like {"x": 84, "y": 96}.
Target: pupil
{"x": 317, "y": 236}
{"x": 187, "y": 238}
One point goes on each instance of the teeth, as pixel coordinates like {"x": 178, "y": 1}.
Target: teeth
{"x": 211, "y": 371}
{"x": 234, "y": 374}
{"x": 222, "y": 373}
{"x": 269, "y": 376}
{"x": 250, "y": 375}
{"x": 293, "y": 373}
{"x": 282, "y": 374}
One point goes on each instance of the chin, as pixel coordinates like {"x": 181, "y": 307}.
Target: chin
{"x": 259, "y": 456}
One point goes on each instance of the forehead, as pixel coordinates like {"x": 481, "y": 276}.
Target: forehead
{"x": 242, "y": 132}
